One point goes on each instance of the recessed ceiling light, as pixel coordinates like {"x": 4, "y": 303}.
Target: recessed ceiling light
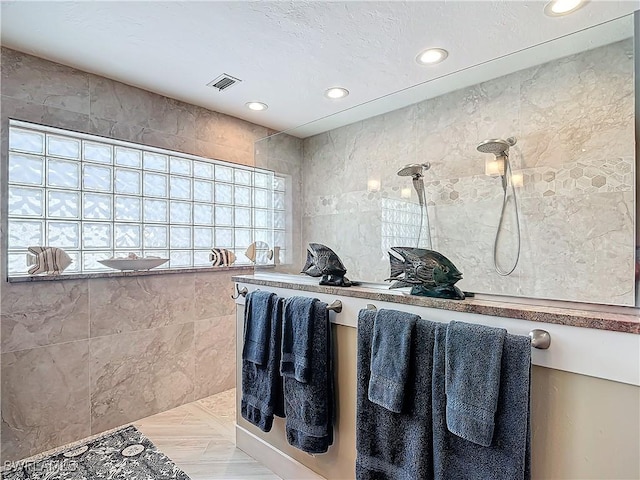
{"x": 555, "y": 8}
{"x": 336, "y": 92}
{"x": 257, "y": 106}
{"x": 431, "y": 56}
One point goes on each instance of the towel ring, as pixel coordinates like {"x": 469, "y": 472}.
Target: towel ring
{"x": 241, "y": 291}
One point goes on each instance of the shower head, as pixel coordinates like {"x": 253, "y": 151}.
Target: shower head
{"x": 497, "y": 146}
{"x": 413, "y": 169}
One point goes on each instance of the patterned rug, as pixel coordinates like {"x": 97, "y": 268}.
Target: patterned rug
{"x": 124, "y": 454}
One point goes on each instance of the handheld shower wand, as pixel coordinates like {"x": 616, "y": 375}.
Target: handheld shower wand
{"x": 500, "y": 148}
{"x": 414, "y": 170}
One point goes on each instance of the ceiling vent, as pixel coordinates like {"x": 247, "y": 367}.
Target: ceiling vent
{"x": 223, "y": 82}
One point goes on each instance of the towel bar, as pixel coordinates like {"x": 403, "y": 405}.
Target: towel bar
{"x": 336, "y": 306}
{"x": 241, "y": 291}
{"x": 540, "y": 339}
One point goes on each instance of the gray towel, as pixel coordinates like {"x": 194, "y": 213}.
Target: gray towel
{"x": 390, "y": 355}
{"x": 395, "y": 445}
{"x": 262, "y": 393}
{"x": 509, "y": 456}
{"x": 296, "y": 338}
{"x": 257, "y": 312}
{"x": 472, "y": 379}
{"x": 309, "y": 405}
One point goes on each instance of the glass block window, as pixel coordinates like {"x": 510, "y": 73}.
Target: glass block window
{"x": 401, "y": 225}
{"x": 99, "y": 198}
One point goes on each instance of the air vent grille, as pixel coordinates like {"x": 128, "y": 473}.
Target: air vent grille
{"x": 223, "y": 82}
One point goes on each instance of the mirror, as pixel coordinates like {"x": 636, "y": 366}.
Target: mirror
{"x": 564, "y": 214}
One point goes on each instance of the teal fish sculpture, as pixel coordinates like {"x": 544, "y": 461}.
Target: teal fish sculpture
{"x": 323, "y": 262}
{"x": 429, "y": 273}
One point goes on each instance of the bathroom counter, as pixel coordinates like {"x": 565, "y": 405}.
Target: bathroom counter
{"x": 623, "y": 319}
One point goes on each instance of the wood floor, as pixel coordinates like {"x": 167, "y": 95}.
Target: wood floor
{"x": 199, "y": 437}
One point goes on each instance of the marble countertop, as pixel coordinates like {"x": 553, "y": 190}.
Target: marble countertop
{"x": 619, "y": 319}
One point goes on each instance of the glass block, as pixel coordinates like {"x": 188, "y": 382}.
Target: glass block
{"x": 180, "y": 166}
{"x": 63, "y": 174}
{"x": 279, "y": 220}
{"x": 155, "y": 236}
{"x": 96, "y": 235}
{"x": 203, "y": 191}
{"x": 127, "y": 181}
{"x": 17, "y": 264}
{"x": 27, "y": 202}
{"x": 63, "y": 234}
{"x": 242, "y": 237}
{"x": 262, "y": 198}
{"x": 224, "y": 238}
{"x": 26, "y": 141}
{"x": 262, "y": 180}
{"x": 25, "y": 233}
{"x": 90, "y": 260}
{"x": 279, "y": 238}
{"x": 96, "y": 206}
{"x": 26, "y": 169}
{"x": 202, "y": 214}
{"x": 202, "y": 237}
{"x": 96, "y": 178}
{"x": 201, "y": 258}
{"x": 265, "y": 236}
{"x": 242, "y": 195}
{"x": 241, "y": 257}
{"x": 262, "y": 218}
{"x": 224, "y": 193}
{"x": 63, "y": 204}
{"x": 127, "y": 236}
{"x": 180, "y": 187}
{"x": 63, "y": 147}
{"x": 155, "y": 184}
{"x": 127, "y": 208}
{"x": 128, "y": 157}
{"x": 224, "y": 215}
{"x": 242, "y": 177}
{"x": 242, "y": 217}
{"x": 180, "y": 237}
{"x": 279, "y": 183}
{"x": 156, "y": 210}
{"x": 96, "y": 152}
{"x": 180, "y": 212}
{"x": 224, "y": 174}
{"x": 158, "y": 254}
{"x": 155, "y": 161}
{"x": 278, "y": 200}
{"x": 75, "y": 262}
{"x": 179, "y": 258}
{"x": 203, "y": 170}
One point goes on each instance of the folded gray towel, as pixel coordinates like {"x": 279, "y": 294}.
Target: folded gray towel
{"x": 509, "y": 456}
{"x": 395, "y": 445}
{"x": 296, "y": 338}
{"x": 390, "y": 355}
{"x": 257, "y": 312}
{"x": 472, "y": 379}
{"x": 262, "y": 393}
{"x": 309, "y": 405}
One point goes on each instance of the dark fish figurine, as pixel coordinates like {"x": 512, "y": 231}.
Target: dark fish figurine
{"x": 323, "y": 262}
{"x": 429, "y": 273}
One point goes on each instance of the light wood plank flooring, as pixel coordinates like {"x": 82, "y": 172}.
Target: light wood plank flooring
{"x": 199, "y": 437}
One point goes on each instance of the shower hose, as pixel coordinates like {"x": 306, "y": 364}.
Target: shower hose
{"x": 507, "y": 181}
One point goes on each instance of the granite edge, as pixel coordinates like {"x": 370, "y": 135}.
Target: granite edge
{"x": 601, "y": 320}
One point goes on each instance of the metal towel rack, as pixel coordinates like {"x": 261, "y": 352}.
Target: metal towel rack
{"x": 335, "y": 306}
{"x": 540, "y": 339}
{"x": 241, "y": 291}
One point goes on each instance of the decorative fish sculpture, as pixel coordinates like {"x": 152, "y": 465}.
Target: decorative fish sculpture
{"x": 323, "y": 262}
{"x": 221, "y": 257}
{"x": 429, "y": 273}
{"x": 259, "y": 251}
{"x": 47, "y": 260}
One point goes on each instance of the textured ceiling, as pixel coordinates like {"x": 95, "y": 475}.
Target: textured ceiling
{"x": 287, "y": 53}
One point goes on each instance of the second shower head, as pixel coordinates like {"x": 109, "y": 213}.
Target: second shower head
{"x": 414, "y": 169}
{"x": 497, "y": 146}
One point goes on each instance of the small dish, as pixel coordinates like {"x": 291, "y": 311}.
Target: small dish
{"x": 133, "y": 263}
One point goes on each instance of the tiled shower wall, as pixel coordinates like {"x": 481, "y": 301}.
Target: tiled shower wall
{"x": 82, "y": 356}
{"x": 574, "y": 121}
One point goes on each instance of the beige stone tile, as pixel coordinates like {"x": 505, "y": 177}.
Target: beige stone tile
{"x": 213, "y": 292}
{"x": 43, "y": 313}
{"x": 215, "y": 350}
{"x": 136, "y": 303}
{"x": 137, "y": 374}
{"x": 45, "y": 398}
